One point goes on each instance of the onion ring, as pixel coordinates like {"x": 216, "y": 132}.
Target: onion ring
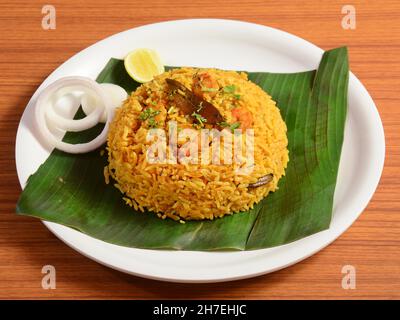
{"x": 116, "y": 94}
{"x": 43, "y": 104}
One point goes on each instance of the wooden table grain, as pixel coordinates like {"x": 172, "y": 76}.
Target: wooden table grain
{"x": 28, "y": 54}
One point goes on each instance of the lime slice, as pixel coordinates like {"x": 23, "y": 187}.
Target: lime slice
{"x": 143, "y": 65}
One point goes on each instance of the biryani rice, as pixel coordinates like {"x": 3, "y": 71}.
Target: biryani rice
{"x": 194, "y": 191}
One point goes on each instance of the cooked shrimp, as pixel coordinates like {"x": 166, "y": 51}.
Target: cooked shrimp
{"x": 244, "y": 117}
{"x": 205, "y": 83}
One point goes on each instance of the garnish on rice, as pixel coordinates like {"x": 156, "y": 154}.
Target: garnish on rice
{"x": 231, "y": 90}
{"x": 188, "y": 102}
{"x": 148, "y": 115}
{"x": 231, "y": 126}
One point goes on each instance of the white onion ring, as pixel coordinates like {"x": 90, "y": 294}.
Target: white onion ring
{"x": 67, "y": 105}
{"x": 116, "y": 96}
{"x": 75, "y": 125}
{"x": 43, "y": 104}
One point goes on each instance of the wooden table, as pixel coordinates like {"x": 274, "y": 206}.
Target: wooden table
{"x": 29, "y": 54}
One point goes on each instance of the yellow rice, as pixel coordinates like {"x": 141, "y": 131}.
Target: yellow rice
{"x": 194, "y": 191}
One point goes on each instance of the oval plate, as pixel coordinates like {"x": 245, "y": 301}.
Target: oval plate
{"x": 234, "y": 45}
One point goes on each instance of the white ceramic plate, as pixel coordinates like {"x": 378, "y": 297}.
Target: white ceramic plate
{"x": 224, "y": 44}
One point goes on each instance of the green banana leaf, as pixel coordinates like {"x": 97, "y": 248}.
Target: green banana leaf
{"x": 69, "y": 189}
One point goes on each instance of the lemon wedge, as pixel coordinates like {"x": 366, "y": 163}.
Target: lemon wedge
{"x": 143, "y": 65}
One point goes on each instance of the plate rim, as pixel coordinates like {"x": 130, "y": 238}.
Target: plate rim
{"x": 53, "y": 226}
